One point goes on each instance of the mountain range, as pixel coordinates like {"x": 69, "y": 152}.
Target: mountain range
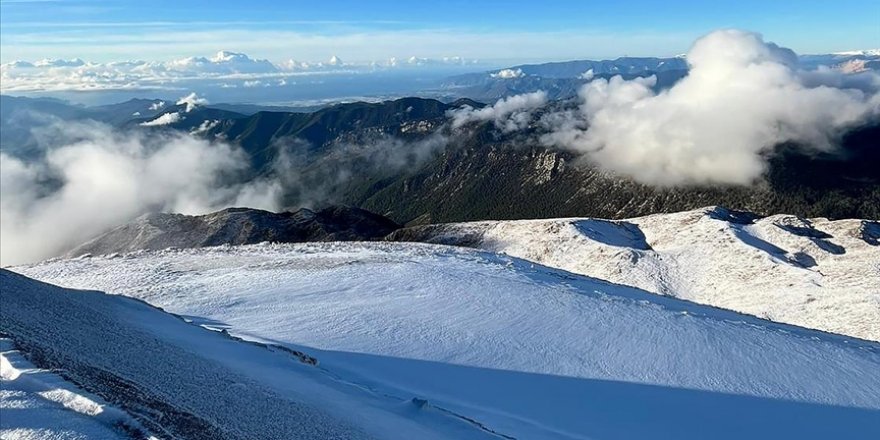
{"x": 441, "y": 269}
{"x": 398, "y": 158}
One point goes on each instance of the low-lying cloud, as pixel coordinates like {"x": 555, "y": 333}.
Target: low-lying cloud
{"x": 508, "y": 114}
{"x": 238, "y": 68}
{"x": 308, "y": 179}
{"x": 742, "y": 97}
{"x": 105, "y": 178}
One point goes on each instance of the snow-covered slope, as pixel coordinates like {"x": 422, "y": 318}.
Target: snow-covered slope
{"x": 519, "y": 349}
{"x": 37, "y": 404}
{"x": 186, "y": 382}
{"x": 814, "y": 273}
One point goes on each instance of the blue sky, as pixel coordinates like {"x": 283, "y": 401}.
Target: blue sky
{"x": 373, "y": 30}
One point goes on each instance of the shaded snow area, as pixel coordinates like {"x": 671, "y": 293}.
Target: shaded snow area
{"x": 183, "y": 381}
{"x": 520, "y": 350}
{"x": 38, "y": 404}
{"x": 814, "y": 273}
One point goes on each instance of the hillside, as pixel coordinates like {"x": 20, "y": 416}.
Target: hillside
{"x": 813, "y": 273}
{"x": 182, "y": 381}
{"x": 400, "y": 159}
{"x": 504, "y": 179}
{"x": 234, "y": 226}
{"x": 407, "y": 166}
{"x": 563, "y": 355}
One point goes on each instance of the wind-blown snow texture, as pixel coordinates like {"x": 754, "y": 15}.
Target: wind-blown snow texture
{"x": 523, "y": 350}
{"x": 187, "y": 382}
{"x": 813, "y": 273}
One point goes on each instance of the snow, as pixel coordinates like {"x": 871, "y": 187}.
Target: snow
{"x": 522, "y": 350}
{"x": 37, "y": 404}
{"x": 188, "y": 382}
{"x": 815, "y": 273}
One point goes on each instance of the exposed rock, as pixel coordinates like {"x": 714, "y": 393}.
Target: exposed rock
{"x": 238, "y": 226}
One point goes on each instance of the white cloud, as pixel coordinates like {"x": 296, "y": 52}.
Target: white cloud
{"x": 76, "y": 62}
{"x": 158, "y": 105}
{"x": 107, "y": 178}
{"x": 223, "y": 62}
{"x": 78, "y": 75}
{"x": 742, "y": 97}
{"x": 588, "y": 75}
{"x": 205, "y": 126}
{"x": 508, "y": 74}
{"x": 191, "y": 101}
{"x": 163, "y": 119}
{"x": 508, "y": 114}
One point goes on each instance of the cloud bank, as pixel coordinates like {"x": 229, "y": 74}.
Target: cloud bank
{"x": 508, "y": 74}
{"x": 742, "y": 97}
{"x": 106, "y": 178}
{"x": 508, "y": 114}
{"x": 236, "y": 68}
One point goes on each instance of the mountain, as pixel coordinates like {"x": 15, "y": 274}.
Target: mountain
{"x": 479, "y": 173}
{"x": 867, "y": 59}
{"x": 21, "y": 117}
{"x": 575, "y": 69}
{"x": 234, "y": 226}
{"x": 18, "y": 116}
{"x": 487, "y": 177}
{"x": 400, "y": 159}
{"x": 262, "y": 134}
{"x": 426, "y": 341}
{"x": 814, "y": 273}
{"x": 561, "y": 80}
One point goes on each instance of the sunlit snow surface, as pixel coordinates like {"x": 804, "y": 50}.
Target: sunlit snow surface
{"x": 37, "y": 404}
{"x": 526, "y": 351}
{"x": 813, "y": 273}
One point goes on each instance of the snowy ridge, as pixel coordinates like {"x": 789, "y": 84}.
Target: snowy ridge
{"x": 814, "y": 273}
{"x": 521, "y": 350}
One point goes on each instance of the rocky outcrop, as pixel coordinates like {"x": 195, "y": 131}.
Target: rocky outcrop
{"x": 235, "y": 226}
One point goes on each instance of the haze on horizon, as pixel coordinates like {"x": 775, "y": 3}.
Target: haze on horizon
{"x": 492, "y": 31}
